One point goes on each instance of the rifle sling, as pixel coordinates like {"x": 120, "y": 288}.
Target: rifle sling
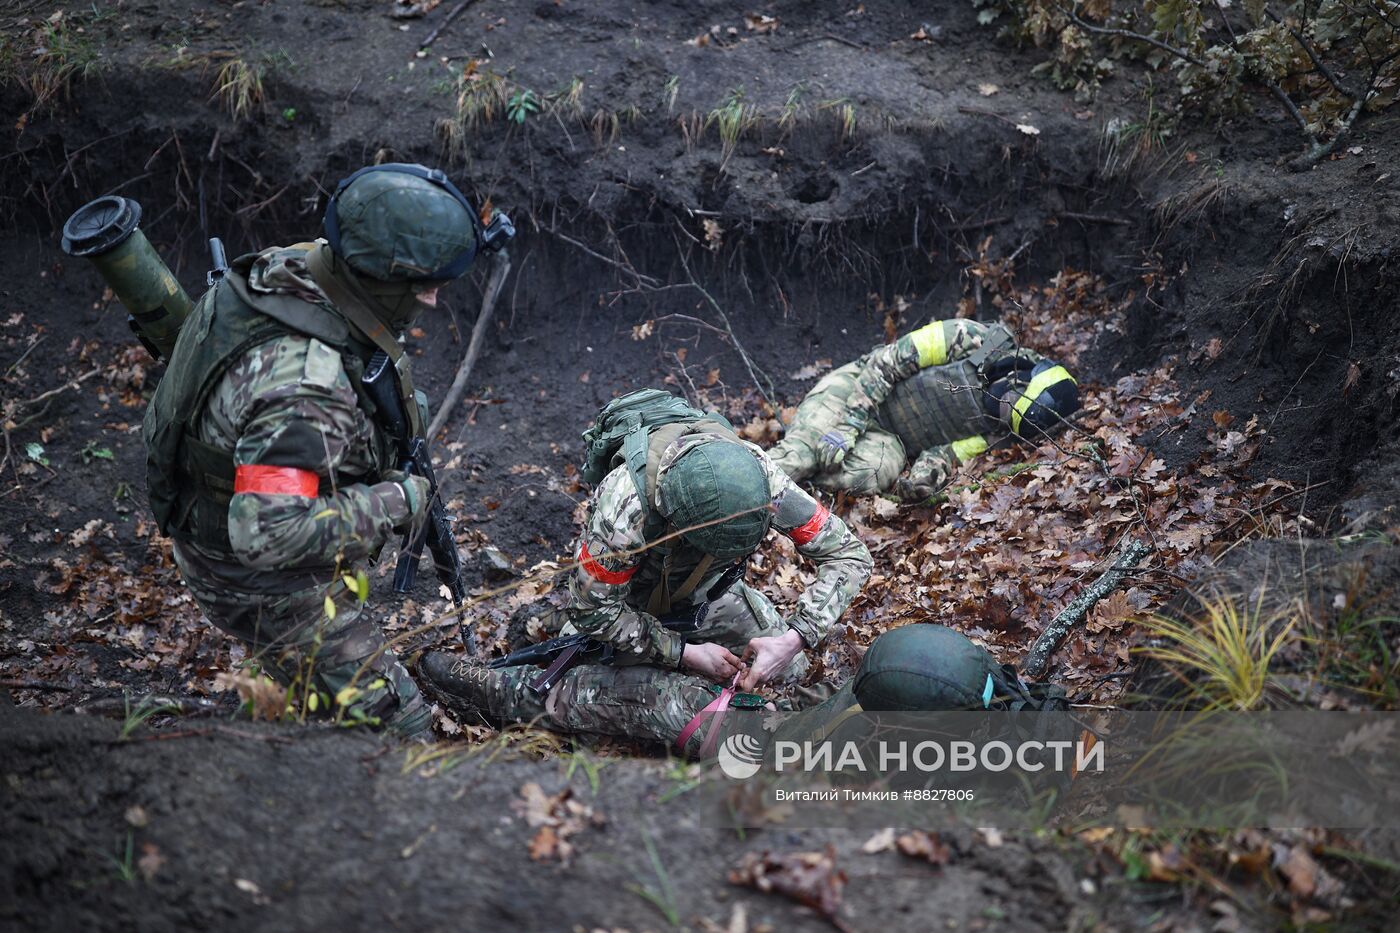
{"x": 661, "y": 599}
{"x": 355, "y": 309}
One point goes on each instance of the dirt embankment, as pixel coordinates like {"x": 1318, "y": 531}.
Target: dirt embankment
{"x": 868, "y": 170}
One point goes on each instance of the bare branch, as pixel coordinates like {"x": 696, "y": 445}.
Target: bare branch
{"x": 1316, "y": 59}
{"x": 1128, "y": 34}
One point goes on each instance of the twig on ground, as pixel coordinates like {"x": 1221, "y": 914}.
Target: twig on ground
{"x": 34, "y": 685}
{"x": 499, "y": 270}
{"x": 1039, "y": 655}
{"x": 456, "y": 12}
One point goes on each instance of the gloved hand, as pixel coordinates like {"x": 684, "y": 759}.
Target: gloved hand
{"x": 913, "y": 491}
{"x": 416, "y": 490}
{"x": 832, "y": 448}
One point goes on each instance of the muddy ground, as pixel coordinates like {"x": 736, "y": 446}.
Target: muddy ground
{"x": 860, "y": 206}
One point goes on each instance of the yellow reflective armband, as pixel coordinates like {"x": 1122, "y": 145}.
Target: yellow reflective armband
{"x": 931, "y": 344}
{"x": 969, "y": 447}
{"x": 1037, "y": 385}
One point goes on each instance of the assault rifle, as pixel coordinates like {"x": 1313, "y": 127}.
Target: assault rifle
{"x": 381, "y": 385}
{"x": 560, "y": 655}
{"x": 218, "y": 266}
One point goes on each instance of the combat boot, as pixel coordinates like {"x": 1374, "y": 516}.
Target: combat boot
{"x": 477, "y": 693}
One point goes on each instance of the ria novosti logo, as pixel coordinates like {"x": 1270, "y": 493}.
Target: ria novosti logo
{"x": 740, "y": 756}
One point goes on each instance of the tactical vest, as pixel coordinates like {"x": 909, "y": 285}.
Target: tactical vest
{"x": 190, "y": 482}
{"x": 636, "y": 429}
{"x": 937, "y": 405}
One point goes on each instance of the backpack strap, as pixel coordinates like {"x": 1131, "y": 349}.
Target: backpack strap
{"x": 661, "y": 600}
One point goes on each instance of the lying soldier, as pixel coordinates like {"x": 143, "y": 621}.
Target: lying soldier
{"x": 918, "y": 667}
{"x": 935, "y": 394}
{"x": 681, "y": 502}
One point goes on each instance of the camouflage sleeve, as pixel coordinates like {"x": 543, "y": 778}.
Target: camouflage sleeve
{"x": 297, "y": 410}
{"x": 843, "y": 562}
{"x": 601, "y": 583}
{"x": 934, "y": 467}
{"x": 931, "y": 345}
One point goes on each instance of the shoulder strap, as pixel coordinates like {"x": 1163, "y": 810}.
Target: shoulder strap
{"x": 364, "y": 320}
{"x": 997, "y": 341}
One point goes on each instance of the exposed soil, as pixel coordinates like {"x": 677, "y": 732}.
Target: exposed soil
{"x": 1272, "y": 295}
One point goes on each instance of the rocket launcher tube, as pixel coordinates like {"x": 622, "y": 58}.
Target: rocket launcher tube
{"x": 106, "y": 232}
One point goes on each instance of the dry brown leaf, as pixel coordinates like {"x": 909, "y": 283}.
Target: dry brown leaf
{"x": 760, "y": 23}
{"x": 880, "y": 842}
{"x": 924, "y": 845}
{"x": 810, "y": 878}
{"x": 149, "y": 861}
{"x": 1111, "y": 613}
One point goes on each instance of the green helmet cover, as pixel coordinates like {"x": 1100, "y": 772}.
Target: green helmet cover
{"x": 713, "y": 481}
{"x": 924, "y": 667}
{"x": 394, "y": 226}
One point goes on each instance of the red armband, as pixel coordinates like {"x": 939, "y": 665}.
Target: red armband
{"x": 805, "y": 532}
{"x": 276, "y": 481}
{"x": 600, "y": 573}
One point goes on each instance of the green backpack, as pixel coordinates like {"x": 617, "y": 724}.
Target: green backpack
{"x": 634, "y": 429}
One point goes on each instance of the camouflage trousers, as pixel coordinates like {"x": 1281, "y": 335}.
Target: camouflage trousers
{"x": 291, "y": 637}
{"x": 641, "y": 701}
{"x": 872, "y": 464}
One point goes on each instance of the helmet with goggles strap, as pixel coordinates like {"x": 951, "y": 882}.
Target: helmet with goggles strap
{"x": 405, "y": 222}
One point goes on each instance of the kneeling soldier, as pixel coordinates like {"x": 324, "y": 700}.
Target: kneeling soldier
{"x": 681, "y": 502}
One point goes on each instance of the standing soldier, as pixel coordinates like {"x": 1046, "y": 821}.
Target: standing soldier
{"x": 681, "y": 503}
{"x": 265, "y": 459}
{"x": 934, "y": 394}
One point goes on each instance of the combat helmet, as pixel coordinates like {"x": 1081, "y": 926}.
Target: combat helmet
{"x": 1039, "y": 400}
{"x": 717, "y": 495}
{"x": 402, "y": 222}
{"x": 925, "y": 667}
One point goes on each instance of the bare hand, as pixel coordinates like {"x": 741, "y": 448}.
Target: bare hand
{"x": 771, "y": 656}
{"x": 710, "y": 660}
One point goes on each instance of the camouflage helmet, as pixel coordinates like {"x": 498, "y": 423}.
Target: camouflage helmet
{"x": 1039, "y": 401}
{"x": 400, "y": 222}
{"x": 720, "y": 486}
{"x": 925, "y": 667}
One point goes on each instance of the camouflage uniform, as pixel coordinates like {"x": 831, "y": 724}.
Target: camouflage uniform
{"x": 922, "y": 394}
{"x": 289, "y": 403}
{"x": 644, "y": 694}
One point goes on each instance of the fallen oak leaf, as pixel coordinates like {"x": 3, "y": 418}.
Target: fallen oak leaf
{"x": 924, "y": 845}
{"x": 810, "y": 878}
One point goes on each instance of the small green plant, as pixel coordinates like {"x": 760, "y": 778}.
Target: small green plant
{"x": 1222, "y": 654}
{"x": 582, "y": 760}
{"x": 845, "y": 113}
{"x": 239, "y": 87}
{"x": 289, "y": 114}
{"x": 125, "y": 860}
{"x": 92, "y": 452}
{"x": 669, "y": 90}
{"x": 662, "y": 897}
{"x": 481, "y": 97}
{"x": 733, "y": 117}
{"x": 61, "y": 54}
{"x": 35, "y": 452}
{"x": 522, "y": 104}
{"x": 792, "y": 107}
{"x": 137, "y": 716}
{"x": 569, "y": 102}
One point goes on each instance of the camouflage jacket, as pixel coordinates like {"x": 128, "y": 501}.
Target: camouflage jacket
{"x": 615, "y": 576}
{"x": 289, "y": 403}
{"x": 936, "y": 344}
